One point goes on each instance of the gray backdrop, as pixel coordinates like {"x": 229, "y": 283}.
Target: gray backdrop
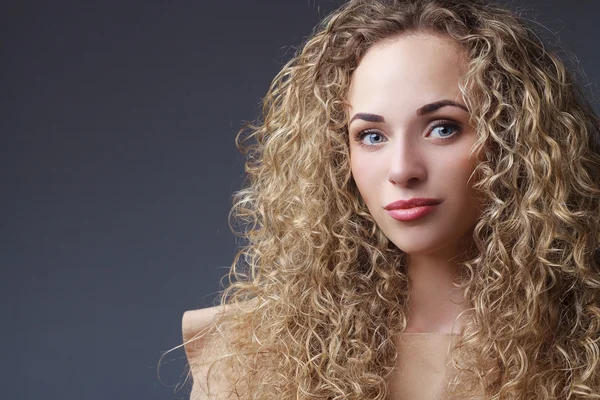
{"x": 118, "y": 164}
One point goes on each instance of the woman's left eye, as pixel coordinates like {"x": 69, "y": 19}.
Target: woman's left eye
{"x": 445, "y": 129}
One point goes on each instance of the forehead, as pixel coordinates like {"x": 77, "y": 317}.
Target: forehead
{"x": 407, "y": 71}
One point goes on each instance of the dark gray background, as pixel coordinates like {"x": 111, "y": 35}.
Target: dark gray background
{"x": 118, "y": 164}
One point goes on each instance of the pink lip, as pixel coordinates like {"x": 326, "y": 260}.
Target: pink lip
{"x": 411, "y": 203}
{"x": 410, "y": 213}
{"x": 408, "y": 210}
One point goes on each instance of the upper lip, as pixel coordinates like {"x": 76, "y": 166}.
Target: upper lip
{"x": 410, "y": 203}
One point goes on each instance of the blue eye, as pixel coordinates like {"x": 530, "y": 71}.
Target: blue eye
{"x": 372, "y": 135}
{"x": 449, "y": 129}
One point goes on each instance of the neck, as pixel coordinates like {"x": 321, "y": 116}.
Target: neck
{"x": 434, "y": 302}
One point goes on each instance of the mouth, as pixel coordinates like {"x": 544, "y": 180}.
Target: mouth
{"x": 411, "y": 209}
{"x": 410, "y": 214}
{"x": 412, "y": 203}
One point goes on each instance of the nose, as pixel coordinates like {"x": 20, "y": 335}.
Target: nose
{"x": 407, "y": 165}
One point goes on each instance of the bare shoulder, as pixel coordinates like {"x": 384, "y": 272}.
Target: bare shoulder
{"x": 196, "y": 321}
{"x": 202, "y": 348}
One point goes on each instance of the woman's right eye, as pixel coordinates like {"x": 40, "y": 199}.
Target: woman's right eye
{"x": 372, "y": 136}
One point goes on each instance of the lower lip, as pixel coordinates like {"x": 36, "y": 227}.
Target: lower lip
{"x": 410, "y": 214}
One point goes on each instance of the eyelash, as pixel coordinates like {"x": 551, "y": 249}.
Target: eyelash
{"x": 444, "y": 123}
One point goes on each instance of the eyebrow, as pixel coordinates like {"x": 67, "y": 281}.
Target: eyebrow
{"x": 429, "y": 108}
{"x": 426, "y": 109}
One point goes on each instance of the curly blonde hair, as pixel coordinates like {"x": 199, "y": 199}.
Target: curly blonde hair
{"x": 319, "y": 291}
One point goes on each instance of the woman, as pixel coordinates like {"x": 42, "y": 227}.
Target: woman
{"x": 350, "y": 285}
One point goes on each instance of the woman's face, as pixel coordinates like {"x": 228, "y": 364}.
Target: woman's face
{"x": 410, "y": 138}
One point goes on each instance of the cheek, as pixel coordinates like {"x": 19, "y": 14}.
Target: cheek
{"x": 455, "y": 169}
{"x": 463, "y": 181}
{"x": 365, "y": 177}
{"x": 462, "y": 172}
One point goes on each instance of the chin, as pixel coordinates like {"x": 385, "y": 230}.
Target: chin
{"x": 416, "y": 249}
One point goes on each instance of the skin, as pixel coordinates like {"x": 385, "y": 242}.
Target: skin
{"x": 404, "y": 156}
